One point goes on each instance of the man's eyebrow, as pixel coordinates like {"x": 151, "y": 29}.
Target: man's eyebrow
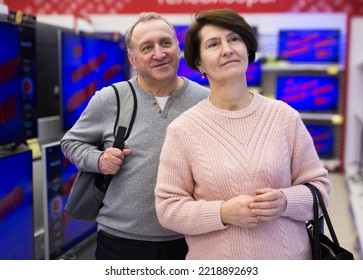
{"x": 143, "y": 43}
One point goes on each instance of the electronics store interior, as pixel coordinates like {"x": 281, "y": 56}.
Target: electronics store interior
{"x": 310, "y": 58}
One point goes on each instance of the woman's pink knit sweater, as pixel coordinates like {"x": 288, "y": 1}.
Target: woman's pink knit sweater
{"x": 211, "y": 155}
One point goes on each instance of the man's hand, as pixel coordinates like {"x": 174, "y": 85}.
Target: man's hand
{"x": 111, "y": 160}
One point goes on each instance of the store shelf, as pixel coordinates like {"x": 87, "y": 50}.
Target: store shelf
{"x": 331, "y": 122}
{"x": 335, "y": 119}
{"x": 285, "y": 66}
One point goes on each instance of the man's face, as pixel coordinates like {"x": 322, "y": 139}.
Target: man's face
{"x": 155, "y": 51}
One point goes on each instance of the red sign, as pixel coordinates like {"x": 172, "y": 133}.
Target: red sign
{"x": 38, "y": 7}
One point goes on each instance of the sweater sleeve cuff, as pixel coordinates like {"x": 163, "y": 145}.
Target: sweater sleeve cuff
{"x": 296, "y": 197}
{"x": 211, "y": 216}
{"x": 92, "y": 161}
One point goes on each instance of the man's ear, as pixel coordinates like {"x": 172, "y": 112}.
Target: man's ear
{"x": 131, "y": 60}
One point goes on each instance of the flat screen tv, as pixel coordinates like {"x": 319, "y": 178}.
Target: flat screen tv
{"x": 254, "y": 74}
{"x": 61, "y": 232}
{"x": 16, "y": 207}
{"x": 309, "y": 93}
{"x": 18, "y": 120}
{"x": 309, "y": 45}
{"x": 196, "y": 76}
{"x": 180, "y": 31}
{"x": 87, "y": 64}
{"x": 324, "y": 139}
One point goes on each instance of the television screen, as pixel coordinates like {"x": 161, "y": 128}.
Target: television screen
{"x": 16, "y": 207}
{"x": 18, "y": 120}
{"x": 61, "y": 232}
{"x": 87, "y": 64}
{"x": 309, "y": 93}
{"x": 254, "y": 74}
{"x": 196, "y": 76}
{"x": 180, "y": 31}
{"x": 311, "y": 46}
{"x": 324, "y": 139}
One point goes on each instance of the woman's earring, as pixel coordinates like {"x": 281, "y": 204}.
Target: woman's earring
{"x": 203, "y": 75}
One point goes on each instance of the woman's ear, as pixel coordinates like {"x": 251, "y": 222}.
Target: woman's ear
{"x": 199, "y": 66}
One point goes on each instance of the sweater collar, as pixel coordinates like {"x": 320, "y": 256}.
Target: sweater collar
{"x": 252, "y": 107}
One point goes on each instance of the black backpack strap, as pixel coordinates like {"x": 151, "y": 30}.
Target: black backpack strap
{"x": 133, "y": 112}
{"x": 118, "y": 109}
{"x": 120, "y": 135}
{"x": 133, "y": 116}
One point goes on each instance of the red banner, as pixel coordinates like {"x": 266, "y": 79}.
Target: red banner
{"x": 41, "y": 7}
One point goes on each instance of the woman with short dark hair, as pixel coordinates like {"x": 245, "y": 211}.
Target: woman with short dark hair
{"x": 233, "y": 167}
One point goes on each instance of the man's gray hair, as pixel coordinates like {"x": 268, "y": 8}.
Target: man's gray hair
{"x": 145, "y": 17}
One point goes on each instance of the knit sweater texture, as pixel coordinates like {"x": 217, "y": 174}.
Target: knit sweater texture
{"x": 211, "y": 155}
{"x": 129, "y": 205}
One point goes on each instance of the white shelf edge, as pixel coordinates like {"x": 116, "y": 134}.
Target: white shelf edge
{"x": 283, "y": 66}
{"x": 322, "y": 116}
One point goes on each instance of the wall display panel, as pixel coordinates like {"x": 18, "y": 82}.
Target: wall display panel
{"x": 309, "y": 93}
{"x": 18, "y": 120}
{"x": 309, "y": 45}
{"x": 254, "y": 74}
{"x": 87, "y": 64}
{"x": 324, "y": 137}
{"x": 180, "y": 31}
{"x": 16, "y": 207}
{"x": 120, "y": 38}
{"x": 61, "y": 232}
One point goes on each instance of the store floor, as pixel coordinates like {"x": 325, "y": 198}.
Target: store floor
{"x": 340, "y": 214}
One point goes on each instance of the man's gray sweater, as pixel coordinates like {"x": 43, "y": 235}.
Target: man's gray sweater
{"x": 129, "y": 205}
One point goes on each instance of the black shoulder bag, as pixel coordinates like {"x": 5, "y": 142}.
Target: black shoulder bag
{"x": 323, "y": 247}
{"x": 89, "y": 188}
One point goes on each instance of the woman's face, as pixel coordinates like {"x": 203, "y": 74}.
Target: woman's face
{"x": 223, "y": 54}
